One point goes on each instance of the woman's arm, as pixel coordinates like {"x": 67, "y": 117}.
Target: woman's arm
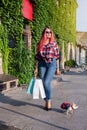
{"x": 36, "y": 69}
{"x": 57, "y": 67}
{"x": 57, "y": 64}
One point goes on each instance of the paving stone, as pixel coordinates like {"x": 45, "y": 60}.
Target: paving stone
{"x": 18, "y": 111}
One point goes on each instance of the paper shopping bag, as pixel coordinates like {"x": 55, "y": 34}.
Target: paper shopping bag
{"x": 38, "y": 89}
{"x": 31, "y": 86}
{"x": 41, "y": 89}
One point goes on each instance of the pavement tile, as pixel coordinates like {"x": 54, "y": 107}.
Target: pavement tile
{"x": 20, "y": 111}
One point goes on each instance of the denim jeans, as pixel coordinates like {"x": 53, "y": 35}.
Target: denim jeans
{"x": 46, "y": 73}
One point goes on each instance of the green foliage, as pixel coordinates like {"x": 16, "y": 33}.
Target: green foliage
{"x": 20, "y": 60}
{"x": 11, "y": 16}
{"x": 60, "y": 17}
{"x": 22, "y": 64}
{"x": 45, "y": 13}
{"x": 4, "y": 49}
{"x": 70, "y": 63}
{"x": 67, "y": 20}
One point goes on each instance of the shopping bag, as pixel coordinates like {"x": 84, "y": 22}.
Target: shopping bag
{"x": 41, "y": 89}
{"x": 31, "y": 86}
{"x": 38, "y": 89}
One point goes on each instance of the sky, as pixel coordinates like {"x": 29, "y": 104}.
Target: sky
{"x": 81, "y": 16}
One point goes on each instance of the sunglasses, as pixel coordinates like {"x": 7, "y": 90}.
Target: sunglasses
{"x": 48, "y": 32}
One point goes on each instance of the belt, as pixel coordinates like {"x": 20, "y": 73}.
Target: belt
{"x": 50, "y": 59}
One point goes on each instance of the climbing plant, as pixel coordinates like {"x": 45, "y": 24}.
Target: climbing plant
{"x": 20, "y": 60}
{"x": 45, "y": 14}
{"x": 61, "y": 17}
{"x": 57, "y": 14}
{"x": 4, "y": 49}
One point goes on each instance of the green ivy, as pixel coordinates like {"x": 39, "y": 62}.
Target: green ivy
{"x": 20, "y": 59}
{"x": 60, "y": 17}
{"x": 4, "y": 49}
{"x": 22, "y": 66}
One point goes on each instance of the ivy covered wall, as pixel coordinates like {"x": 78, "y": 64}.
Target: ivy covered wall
{"x": 61, "y": 17}
{"x": 58, "y": 14}
{"x": 67, "y": 20}
{"x": 11, "y": 30}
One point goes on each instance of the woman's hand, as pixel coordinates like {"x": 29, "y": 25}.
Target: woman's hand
{"x": 36, "y": 72}
{"x": 57, "y": 72}
{"x": 57, "y": 68}
{"x": 36, "y": 69}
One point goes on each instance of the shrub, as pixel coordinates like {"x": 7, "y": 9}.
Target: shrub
{"x": 70, "y": 63}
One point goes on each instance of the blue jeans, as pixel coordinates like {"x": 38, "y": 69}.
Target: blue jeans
{"x": 46, "y": 73}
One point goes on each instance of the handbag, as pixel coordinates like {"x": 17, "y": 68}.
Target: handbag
{"x": 38, "y": 90}
{"x": 31, "y": 86}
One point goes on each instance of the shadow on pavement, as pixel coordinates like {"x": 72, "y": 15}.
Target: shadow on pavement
{"x": 3, "y": 126}
{"x": 8, "y": 100}
{"x": 34, "y": 118}
{"x": 80, "y": 73}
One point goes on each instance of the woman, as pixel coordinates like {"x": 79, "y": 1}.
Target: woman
{"x": 47, "y": 62}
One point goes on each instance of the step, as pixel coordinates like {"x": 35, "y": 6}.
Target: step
{"x": 7, "y": 82}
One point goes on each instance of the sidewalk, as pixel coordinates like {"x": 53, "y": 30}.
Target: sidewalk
{"x": 19, "y": 110}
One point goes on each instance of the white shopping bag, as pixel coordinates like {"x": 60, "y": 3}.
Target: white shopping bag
{"x": 38, "y": 89}
{"x": 41, "y": 88}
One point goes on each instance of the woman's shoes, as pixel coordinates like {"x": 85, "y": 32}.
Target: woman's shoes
{"x": 48, "y": 109}
{"x": 48, "y": 105}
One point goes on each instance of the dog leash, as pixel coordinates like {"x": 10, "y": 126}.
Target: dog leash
{"x": 62, "y": 91}
{"x": 66, "y": 104}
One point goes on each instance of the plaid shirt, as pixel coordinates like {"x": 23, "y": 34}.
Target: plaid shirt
{"x": 49, "y": 52}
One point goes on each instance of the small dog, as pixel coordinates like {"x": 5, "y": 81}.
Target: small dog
{"x": 68, "y": 107}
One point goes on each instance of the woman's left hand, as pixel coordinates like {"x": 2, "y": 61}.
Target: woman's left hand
{"x": 57, "y": 72}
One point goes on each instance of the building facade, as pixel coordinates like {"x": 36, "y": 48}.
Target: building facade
{"x": 81, "y": 48}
